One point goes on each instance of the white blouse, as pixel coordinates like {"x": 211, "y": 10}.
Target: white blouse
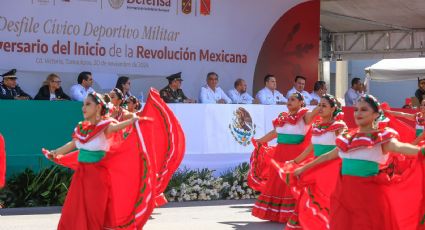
{"x": 374, "y": 154}
{"x": 300, "y": 128}
{"x": 97, "y": 143}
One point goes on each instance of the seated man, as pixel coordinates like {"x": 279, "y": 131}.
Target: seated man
{"x": 299, "y": 85}
{"x": 9, "y": 89}
{"x": 420, "y": 92}
{"x": 80, "y": 91}
{"x": 173, "y": 93}
{"x": 239, "y": 94}
{"x": 353, "y": 93}
{"x": 212, "y": 93}
{"x": 318, "y": 91}
{"x": 269, "y": 95}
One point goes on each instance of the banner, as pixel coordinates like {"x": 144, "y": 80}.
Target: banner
{"x": 152, "y": 38}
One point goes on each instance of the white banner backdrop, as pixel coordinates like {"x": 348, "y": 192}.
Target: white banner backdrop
{"x": 150, "y": 38}
{"x": 218, "y": 136}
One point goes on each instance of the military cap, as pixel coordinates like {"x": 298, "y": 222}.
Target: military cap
{"x": 176, "y": 76}
{"x": 10, "y": 74}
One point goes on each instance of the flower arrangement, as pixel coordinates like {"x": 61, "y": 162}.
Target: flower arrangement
{"x": 196, "y": 185}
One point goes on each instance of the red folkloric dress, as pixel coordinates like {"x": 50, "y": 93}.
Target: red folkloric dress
{"x": 276, "y": 202}
{"x": 119, "y": 179}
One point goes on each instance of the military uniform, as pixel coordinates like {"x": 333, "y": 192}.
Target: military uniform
{"x": 11, "y": 93}
{"x": 172, "y": 96}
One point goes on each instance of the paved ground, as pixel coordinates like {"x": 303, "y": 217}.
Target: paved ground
{"x": 211, "y": 215}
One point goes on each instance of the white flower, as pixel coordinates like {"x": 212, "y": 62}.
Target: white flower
{"x": 186, "y": 197}
{"x": 235, "y": 182}
{"x": 196, "y": 188}
{"x": 193, "y": 196}
{"x": 173, "y": 192}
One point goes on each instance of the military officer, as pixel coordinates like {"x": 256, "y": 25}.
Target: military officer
{"x": 173, "y": 93}
{"x": 9, "y": 89}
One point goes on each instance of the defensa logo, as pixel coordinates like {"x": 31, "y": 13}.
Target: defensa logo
{"x": 160, "y": 6}
{"x": 116, "y": 4}
{"x": 166, "y": 3}
{"x": 242, "y": 128}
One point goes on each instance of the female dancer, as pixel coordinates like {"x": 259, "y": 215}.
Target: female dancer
{"x": 417, "y": 117}
{"x": 133, "y": 104}
{"x": 276, "y": 202}
{"x": 105, "y": 189}
{"x": 362, "y": 199}
{"x": 139, "y": 163}
{"x": 117, "y": 99}
{"x": 313, "y": 189}
{"x": 326, "y": 129}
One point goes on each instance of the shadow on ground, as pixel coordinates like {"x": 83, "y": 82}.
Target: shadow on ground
{"x": 248, "y": 225}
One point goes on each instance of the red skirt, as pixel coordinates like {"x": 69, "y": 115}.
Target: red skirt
{"x": 276, "y": 202}
{"x": 316, "y": 186}
{"x": 361, "y": 203}
{"x": 2, "y": 162}
{"x": 87, "y": 200}
{"x": 311, "y": 191}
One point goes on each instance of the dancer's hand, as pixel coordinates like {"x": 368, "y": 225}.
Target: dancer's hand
{"x": 51, "y": 154}
{"x": 292, "y": 162}
{"x": 298, "y": 171}
{"x": 48, "y": 154}
{"x": 137, "y": 118}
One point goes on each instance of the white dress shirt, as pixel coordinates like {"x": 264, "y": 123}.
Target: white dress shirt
{"x": 209, "y": 96}
{"x": 238, "y": 98}
{"x": 79, "y": 93}
{"x": 268, "y": 97}
{"x": 306, "y": 95}
{"x": 314, "y": 96}
{"x": 351, "y": 97}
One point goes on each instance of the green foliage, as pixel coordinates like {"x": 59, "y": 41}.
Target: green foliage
{"x": 50, "y": 186}
{"x": 180, "y": 176}
{"x": 29, "y": 189}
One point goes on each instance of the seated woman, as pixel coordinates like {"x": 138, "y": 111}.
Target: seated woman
{"x": 51, "y": 89}
{"x": 123, "y": 84}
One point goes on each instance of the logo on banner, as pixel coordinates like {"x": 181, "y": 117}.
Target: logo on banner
{"x": 242, "y": 128}
{"x": 187, "y": 6}
{"x": 205, "y": 7}
{"x": 116, "y": 4}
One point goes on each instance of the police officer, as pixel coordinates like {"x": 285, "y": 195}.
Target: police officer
{"x": 9, "y": 89}
{"x": 173, "y": 93}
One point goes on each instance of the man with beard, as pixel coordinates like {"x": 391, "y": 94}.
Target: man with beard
{"x": 239, "y": 94}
